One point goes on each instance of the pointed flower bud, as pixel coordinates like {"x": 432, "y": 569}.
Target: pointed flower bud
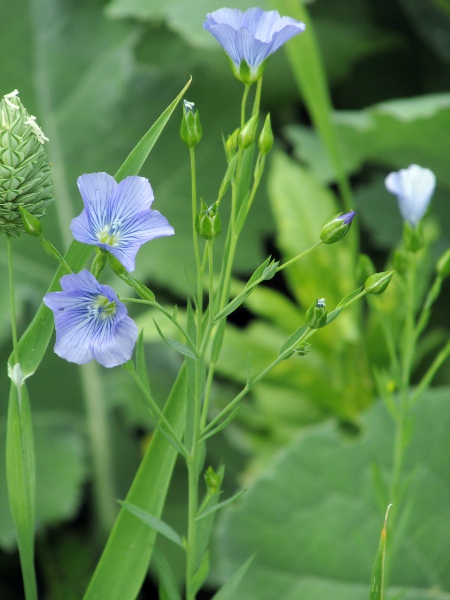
{"x": 413, "y": 187}
{"x": 443, "y": 264}
{"x": 378, "y": 282}
{"x": 191, "y": 129}
{"x": 207, "y": 222}
{"x": 24, "y": 169}
{"x": 231, "y": 145}
{"x": 247, "y": 135}
{"x": 265, "y": 141}
{"x": 316, "y": 315}
{"x": 335, "y": 229}
{"x": 31, "y": 224}
{"x": 213, "y": 480}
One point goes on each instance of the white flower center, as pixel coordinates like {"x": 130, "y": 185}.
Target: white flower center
{"x": 102, "y": 307}
{"x": 110, "y": 234}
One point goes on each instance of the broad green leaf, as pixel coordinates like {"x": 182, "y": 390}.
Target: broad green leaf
{"x": 124, "y": 562}
{"x": 61, "y": 471}
{"x": 318, "y": 506}
{"x": 157, "y": 524}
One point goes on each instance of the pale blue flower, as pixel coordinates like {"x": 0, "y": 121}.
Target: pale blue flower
{"x": 91, "y": 322}
{"x": 250, "y": 37}
{"x": 117, "y": 216}
{"x": 413, "y": 187}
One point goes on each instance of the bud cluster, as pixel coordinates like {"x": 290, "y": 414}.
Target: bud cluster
{"x": 24, "y": 169}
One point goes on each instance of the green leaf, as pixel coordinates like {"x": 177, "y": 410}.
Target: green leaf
{"x": 157, "y": 524}
{"x": 294, "y": 338}
{"x": 228, "y": 591}
{"x": 317, "y": 504}
{"x": 220, "y": 505}
{"x": 167, "y": 583}
{"x": 21, "y": 480}
{"x": 178, "y": 346}
{"x": 138, "y": 155}
{"x": 141, "y": 367}
{"x": 202, "y": 572}
{"x": 377, "y": 581}
{"x": 61, "y": 470}
{"x": 124, "y": 562}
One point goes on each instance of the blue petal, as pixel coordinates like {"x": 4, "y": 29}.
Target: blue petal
{"x": 132, "y": 195}
{"x": 97, "y": 190}
{"x": 114, "y": 346}
{"x": 413, "y": 187}
{"x": 226, "y": 16}
{"x": 83, "y": 229}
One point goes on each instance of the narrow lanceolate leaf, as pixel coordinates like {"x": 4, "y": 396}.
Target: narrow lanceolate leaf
{"x": 20, "y": 473}
{"x": 178, "y": 346}
{"x": 295, "y": 337}
{"x": 138, "y": 155}
{"x": 168, "y": 589}
{"x": 220, "y": 505}
{"x": 125, "y": 559}
{"x": 228, "y": 590}
{"x": 157, "y": 524}
{"x": 377, "y": 581}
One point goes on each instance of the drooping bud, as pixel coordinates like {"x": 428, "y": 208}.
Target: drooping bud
{"x": 207, "y": 222}
{"x": 247, "y": 135}
{"x": 24, "y": 169}
{"x": 231, "y": 145}
{"x": 265, "y": 140}
{"x": 443, "y": 264}
{"x": 191, "y": 129}
{"x": 378, "y": 282}
{"x": 316, "y": 315}
{"x": 335, "y": 229}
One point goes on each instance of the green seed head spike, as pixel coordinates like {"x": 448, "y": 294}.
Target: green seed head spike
{"x": 24, "y": 169}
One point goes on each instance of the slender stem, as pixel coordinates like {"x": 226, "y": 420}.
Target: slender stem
{"x": 430, "y": 373}
{"x": 192, "y": 527}
{"x": 244, "y": 103}
{"x": 12, "y": 300}
{"x": 257, "y": 100}
{"x": 299, "y": 256}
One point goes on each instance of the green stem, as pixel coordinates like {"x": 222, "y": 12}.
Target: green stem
{"x": 12, "y": 299}
{"x": 429, "y": 375}
{"x": 244, "y": 104}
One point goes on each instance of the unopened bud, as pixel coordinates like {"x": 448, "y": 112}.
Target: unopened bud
{"x": 213, "y": 480}
{"x": 265, "y": 140}
{"x": 443, "y": 264}
{"x": 191, "y": 129}
{"x": 378, "y": 282}
{"x": 247, "y": 135}
{"x": 335, "y": 229}
{"x": 207, "y": 222}
{"x": 316, "y": 315}
{"x": 231, "y": 145}
{"x": 302, "y": 349}
{"x": 31, "y": 224}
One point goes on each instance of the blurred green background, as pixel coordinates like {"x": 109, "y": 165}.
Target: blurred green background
{"x": 96, "y": 75}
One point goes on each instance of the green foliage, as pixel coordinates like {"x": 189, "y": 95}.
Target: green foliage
{"x": 313, "y": 515}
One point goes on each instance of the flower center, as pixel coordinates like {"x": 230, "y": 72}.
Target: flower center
{"x": 110, "y": 234}
{"x": 102, "y": 307}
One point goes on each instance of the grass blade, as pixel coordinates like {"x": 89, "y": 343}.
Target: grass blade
{"x": 377, "y": 581}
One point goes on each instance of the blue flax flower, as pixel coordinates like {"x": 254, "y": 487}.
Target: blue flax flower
{"x": 91, "y": 322}
{"x": 413, "y": 187}
{"x": 117, "y": 216}
{"x": 250, "y": 37}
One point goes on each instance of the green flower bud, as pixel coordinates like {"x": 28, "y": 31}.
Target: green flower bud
{"x": 191, "y": 129}
{"x": 265, "y": 140}
{"x": 443, "y": 264}
{"x": 31, "y": 224}
{"x": 247, "y": 75}
{"x": 213, "y": 480}
{"x": 316, "y": 315}
{"x": 247, "y": 135}
{"x": 378, "y": 282}
{"x": 335, "y": 229}
{"x": 24, "y": 170}
{"x": 364, "y": 268}
{"x": 207, "y": 222}
{"x": 231, "y": 145}
{"x": 302, "y": 349}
